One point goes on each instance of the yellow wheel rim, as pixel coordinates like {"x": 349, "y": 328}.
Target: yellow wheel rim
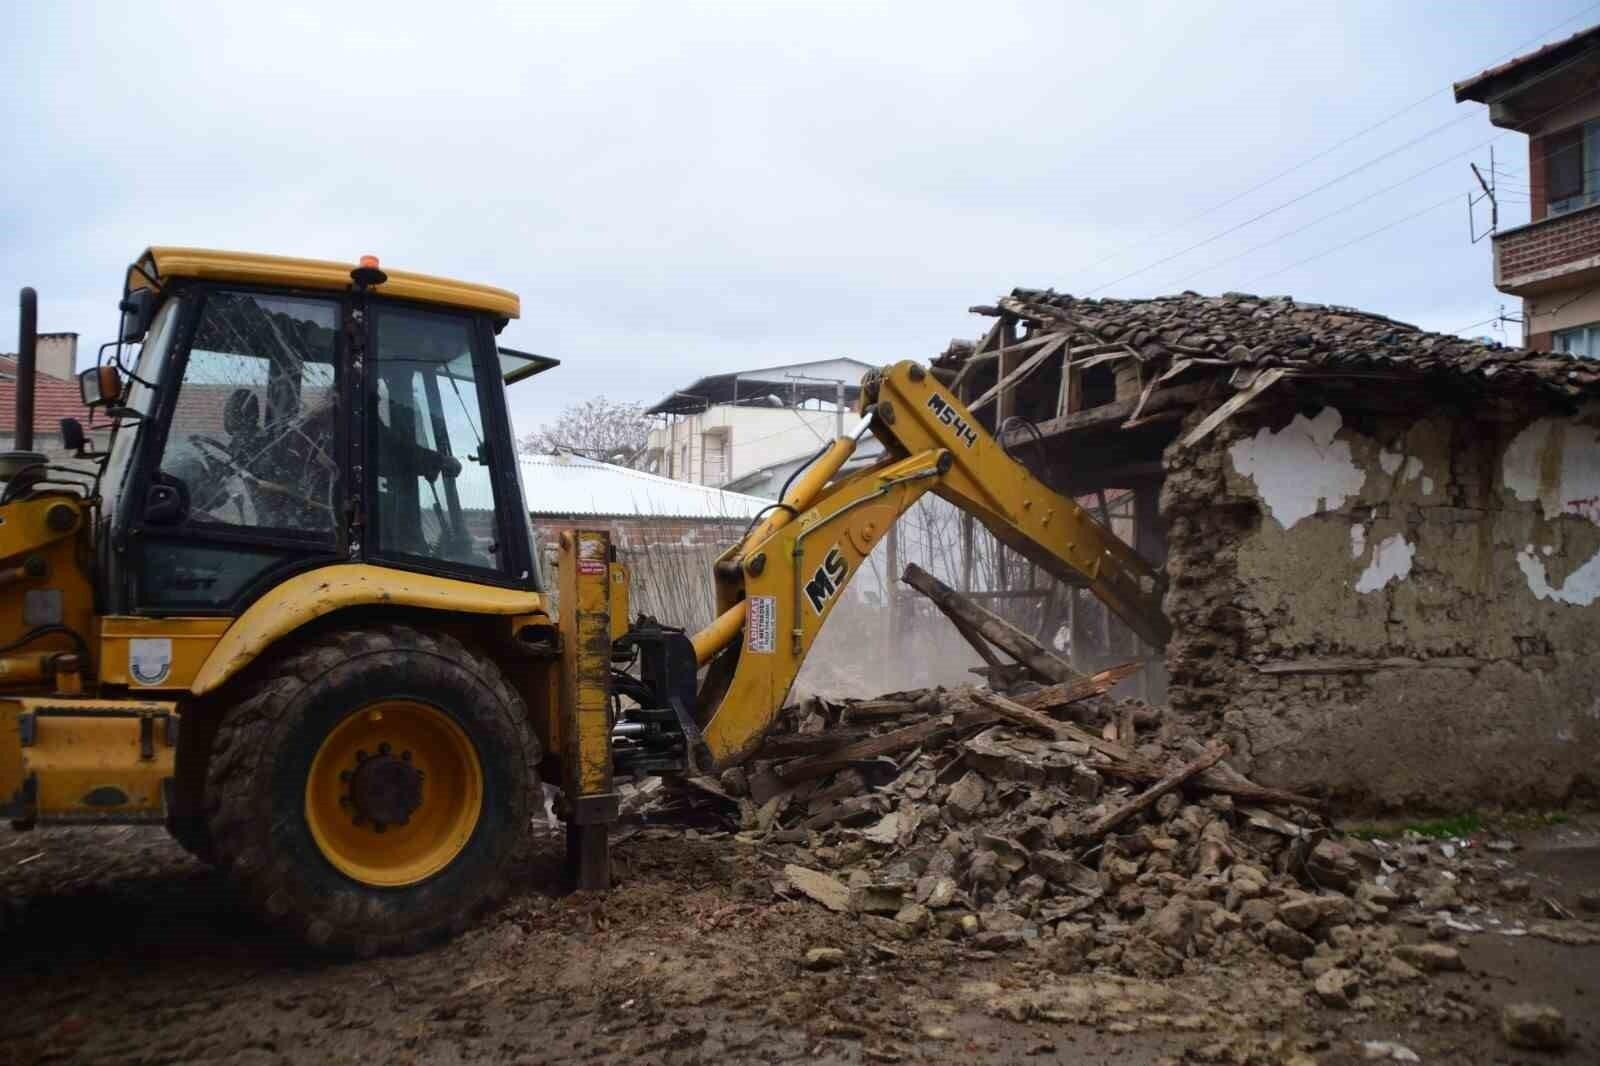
{"x": 394, "y": 793}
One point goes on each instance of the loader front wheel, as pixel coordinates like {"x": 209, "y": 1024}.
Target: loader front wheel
{"x": 372, "y": 790}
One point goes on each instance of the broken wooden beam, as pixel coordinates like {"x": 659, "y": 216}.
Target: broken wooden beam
{"x": 1146, "y": 799}
{"x": 990, "y": 626}
{"x": 929, "y": 731}
{"x": 1024, "y": 716}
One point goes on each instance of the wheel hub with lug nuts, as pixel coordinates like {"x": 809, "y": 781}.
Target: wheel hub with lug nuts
{"x": 365, "y": 791}
{"x": 385, "y": 789}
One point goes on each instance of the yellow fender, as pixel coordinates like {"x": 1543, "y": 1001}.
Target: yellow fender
{"x": 308, "y": 596}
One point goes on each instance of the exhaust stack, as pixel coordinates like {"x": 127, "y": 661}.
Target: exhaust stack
{"x": 21, "y": 456}
{"x": 27, "y": 368}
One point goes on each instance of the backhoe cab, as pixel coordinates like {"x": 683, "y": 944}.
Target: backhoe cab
{"x": 293, "y": 611}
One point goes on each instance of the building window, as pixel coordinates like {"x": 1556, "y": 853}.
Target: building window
{"x": 1572, "y": 168}
{"x": 1580, "y": 340}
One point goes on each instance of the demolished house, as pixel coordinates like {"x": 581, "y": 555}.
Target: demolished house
{"x": 1382, "y": 544}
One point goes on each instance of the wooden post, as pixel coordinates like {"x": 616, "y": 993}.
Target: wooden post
{"x": 968, "y": 529}
{"x": 892, "y": 589}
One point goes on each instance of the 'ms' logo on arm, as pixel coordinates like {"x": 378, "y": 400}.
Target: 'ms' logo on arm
{"x": 827, "y": 579}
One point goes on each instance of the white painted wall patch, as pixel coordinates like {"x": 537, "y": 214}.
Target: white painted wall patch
{"x": 1391, "y": 561}
{"x": 1557, "y": 462}
{"x": 1581, "y": 588}
{"x": 1301, "y": 469}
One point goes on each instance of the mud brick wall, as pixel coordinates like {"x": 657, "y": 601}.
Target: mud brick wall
{"x": 1395, "y": 611}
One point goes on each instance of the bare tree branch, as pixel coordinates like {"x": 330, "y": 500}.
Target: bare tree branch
{"x": 597, "y": 428}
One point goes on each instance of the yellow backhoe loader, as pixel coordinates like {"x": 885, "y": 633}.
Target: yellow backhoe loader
{"x": 293, "y": 611}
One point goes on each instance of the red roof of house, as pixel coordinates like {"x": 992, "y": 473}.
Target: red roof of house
{"x": 1478, "y": 88}
{"x": 53, "y": 400}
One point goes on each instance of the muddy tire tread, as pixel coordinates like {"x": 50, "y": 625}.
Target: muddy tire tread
{"x": 247, "y": 734}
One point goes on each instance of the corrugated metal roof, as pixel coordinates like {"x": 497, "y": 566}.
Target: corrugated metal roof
{"x": 567, "y": 484}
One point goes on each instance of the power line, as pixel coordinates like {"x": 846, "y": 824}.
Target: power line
{"x": 1475, "y": 325}
{"x": 1452, "y": 198}
{"x": 1287, "y": 203}
{"x": 1388, "y": 188}
{"x": 1323, "y": 218}
{"x": 1350, "y": 173}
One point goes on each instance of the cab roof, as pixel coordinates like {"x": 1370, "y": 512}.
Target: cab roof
{"x": 158, "y": 264}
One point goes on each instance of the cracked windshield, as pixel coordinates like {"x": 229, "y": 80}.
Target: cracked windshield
{"x": 252, "y": 437}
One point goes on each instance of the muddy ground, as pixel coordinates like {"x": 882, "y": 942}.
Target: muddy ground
{"x": 119, "y": 948}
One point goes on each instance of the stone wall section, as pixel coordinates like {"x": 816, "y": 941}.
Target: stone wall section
{"x": 1396, "y": 611}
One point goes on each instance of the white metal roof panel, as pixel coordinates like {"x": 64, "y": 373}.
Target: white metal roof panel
{"x": 567, "y": 484}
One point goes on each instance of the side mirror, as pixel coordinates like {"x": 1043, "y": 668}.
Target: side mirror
{"x": 73, "y": 437}
{"x": 138, "y": 309}
{"x": 100, "y": 386}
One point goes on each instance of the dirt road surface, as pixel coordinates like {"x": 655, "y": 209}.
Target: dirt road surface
{"x": 118, "y": 948}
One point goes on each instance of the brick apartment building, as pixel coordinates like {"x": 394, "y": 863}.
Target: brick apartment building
{"x": 1552, "y": 262}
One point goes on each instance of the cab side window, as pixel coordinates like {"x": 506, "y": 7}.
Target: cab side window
{"x": 251, "y": 443}
{"x": 435, "y": 494}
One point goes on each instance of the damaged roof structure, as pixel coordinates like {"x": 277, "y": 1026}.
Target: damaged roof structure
{"x": 1382, "y": 544}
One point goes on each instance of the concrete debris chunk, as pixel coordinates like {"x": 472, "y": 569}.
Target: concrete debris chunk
{"x": 824, "y": 958}
{"x": 877, "y": 899}
{"x": 1173, "y": 925}
{"x": 1331, "y": 865}
{"x": 1286, "y": 941}
{"x": 1432, "y": 958}
{"x": 966, "y": 796}
{"x": 1536, "y": 1026}
{"x": 1059, "y": 868}
{"x": 826, "y": 890}
{"x": 1338, "y": 987}
{"x": 1300, "y": 912}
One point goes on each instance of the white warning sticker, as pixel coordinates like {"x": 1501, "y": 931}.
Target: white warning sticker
{"x": 149, "y": 659}
{"x": 761, "y": 624}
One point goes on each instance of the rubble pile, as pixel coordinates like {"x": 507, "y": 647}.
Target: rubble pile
{"x": 1141, "y": 854}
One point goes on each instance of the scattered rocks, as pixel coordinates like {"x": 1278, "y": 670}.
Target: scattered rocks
{"x": 1338, "y": 987}
{"x": 876, "y": 899}
{"x": 1173, "y": 925}
{"x": 1514, "y": 888}
{"x": 824, "y": 958}
{"x": 1536, "y": 1026}
{"x": 1431, "y": 958}
{"x": 826, "y": 890}
{"x": 1331, "y": 865}
{"x": 1286, "y": 941}
{"x": 966, "y": 796}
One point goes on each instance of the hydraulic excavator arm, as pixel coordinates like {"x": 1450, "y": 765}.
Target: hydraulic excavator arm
{"x": 777, "y": 586}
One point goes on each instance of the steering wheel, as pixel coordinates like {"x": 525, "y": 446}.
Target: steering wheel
{"x": 226, "y": 462}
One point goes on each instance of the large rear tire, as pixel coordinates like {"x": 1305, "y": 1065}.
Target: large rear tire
{"x": 371, "y": 791}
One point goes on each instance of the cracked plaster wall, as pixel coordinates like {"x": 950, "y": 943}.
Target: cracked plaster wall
{"x": 1431, "y": 585}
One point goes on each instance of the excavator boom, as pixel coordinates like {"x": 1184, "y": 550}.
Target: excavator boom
{"x": 777, "y": 586}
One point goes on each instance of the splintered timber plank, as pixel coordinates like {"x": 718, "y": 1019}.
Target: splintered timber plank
{"x": 990, "y": 626}
{"x": 1148, "y": 797}
{"x": 959, "y": 712}
{"x": 1025, "y": 716}
{"x": 930, "y": 730}
{"x": 1019, "y": 374}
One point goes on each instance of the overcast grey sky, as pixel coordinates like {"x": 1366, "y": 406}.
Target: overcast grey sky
{"x": 678, "y": 189}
